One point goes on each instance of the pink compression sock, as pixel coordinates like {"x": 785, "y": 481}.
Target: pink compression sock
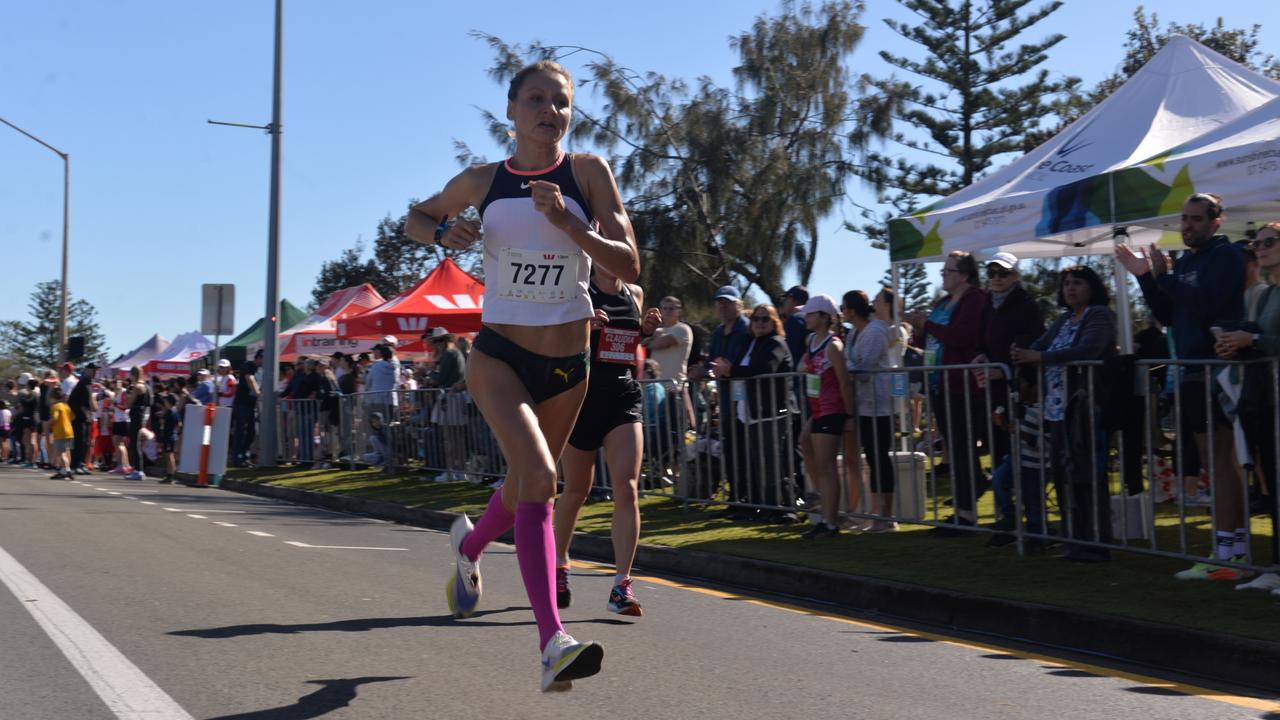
{"x": 495, "y": 520}
{"x": 536, "y": 553}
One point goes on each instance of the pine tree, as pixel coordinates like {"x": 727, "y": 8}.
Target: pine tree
{"x": 973, "y": 110}
{"x": 913, "y": 287}
{"x": 36, "y": 343}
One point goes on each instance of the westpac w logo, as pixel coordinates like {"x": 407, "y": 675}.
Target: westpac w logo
{"x": 412, "y": 324}
{"x": 548, "y": 256}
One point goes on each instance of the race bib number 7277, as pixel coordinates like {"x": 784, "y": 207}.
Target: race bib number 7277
{"x": 534, "y": 276}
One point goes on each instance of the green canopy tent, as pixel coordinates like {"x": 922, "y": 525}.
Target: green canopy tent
{"x": 236, "y": 349}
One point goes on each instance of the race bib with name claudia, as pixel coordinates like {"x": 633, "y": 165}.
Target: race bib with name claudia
{"x": 617, "y": 345}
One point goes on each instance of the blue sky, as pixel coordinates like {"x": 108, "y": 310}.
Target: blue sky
{"x": 375, "y": 93}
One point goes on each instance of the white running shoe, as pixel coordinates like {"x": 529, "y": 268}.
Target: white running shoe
{"x": 1266, "y": 581}
{"x": 136, "y": 475}
{"x": 565, "y": 660}
{"x": 463, "y": 590}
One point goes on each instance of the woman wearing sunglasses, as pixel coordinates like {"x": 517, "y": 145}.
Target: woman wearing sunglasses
{"x": 1260, "y": 338}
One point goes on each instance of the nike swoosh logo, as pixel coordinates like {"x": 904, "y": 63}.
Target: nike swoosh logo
{"x": 524, "y": 186}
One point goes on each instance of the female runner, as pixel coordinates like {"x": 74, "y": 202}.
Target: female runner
{"x": 610, "y": 419}
{"x": 547, "y": 217}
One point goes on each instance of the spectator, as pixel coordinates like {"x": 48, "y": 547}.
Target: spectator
{"x": 669, "y": 345}
{"x": 29, "y": 418}
{"x": 793, "y": 321}
{"x": 67, "y": 378}
{"x": 1086, "y": 330}
{"x": 900, "y": 332}
{"x": 45, "y": 444}
{"x": 830, "y": 401}
{"x": 874, "y": 404}
{"x": 451, "y": 407}
{"x": 953, "y": 336}
{"x": 204, "y": 391}
{"x": 1013, "y": 317}
{"x": 304, "y": 396}
{"x": 330, "y": 396}
{"x": 138, "y": 400}
{"x": 1026, "y": 421}
{"x": 730, "y": 337}
{"x": 1260, "y": 339}
{"x": 1205, "y": 289}
{"x": 84, "y": 406}
{"x": 225, "y": 384}
{"x": 851, "y": 438}
{"x": 63, "y": 435}
{"x": 763, "y": 407}
{"x": 120, "y": 428}
{"x": 244, "y": 406}
{"x": 167, "y": 434}
{"x": 6, "y": 429}
{"x": 380, "y": 380}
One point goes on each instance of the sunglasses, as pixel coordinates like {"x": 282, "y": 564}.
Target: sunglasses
{"x": 761, "y": 318}
{"x": 999, "y": 273}
{"x": 1268, "y": 243}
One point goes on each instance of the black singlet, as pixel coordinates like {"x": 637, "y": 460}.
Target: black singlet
{"x": 624, "y": 314}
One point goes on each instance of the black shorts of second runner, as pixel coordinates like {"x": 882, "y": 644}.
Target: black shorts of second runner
{"x": 120, "y": 429}
{"x": 608, "y": 405}
{"x": 832, "y": 424}
{"x": 544, "y": 377}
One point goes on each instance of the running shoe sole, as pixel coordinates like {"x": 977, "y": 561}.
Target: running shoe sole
{"x": 459, "y": 604}
{"x": 632, "y": 610}
{"x": 583, "y": 663}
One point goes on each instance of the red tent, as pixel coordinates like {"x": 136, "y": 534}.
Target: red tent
{"x": 317, "y": 335}
{"x": 447, "y": 297}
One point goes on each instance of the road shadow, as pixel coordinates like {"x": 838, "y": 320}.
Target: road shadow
{"x": 369, "y": 624}
{"x": 355, "y": 625}
{"x": 1159, "y": 691}
{"x": 1070, "y": 672}
{"x": 332, "y": 695}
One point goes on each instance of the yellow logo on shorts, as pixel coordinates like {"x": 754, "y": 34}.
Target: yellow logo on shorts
{"x": 563, "y": 373}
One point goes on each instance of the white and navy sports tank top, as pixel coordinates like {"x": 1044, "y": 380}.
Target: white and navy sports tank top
{"x": 534, "y": 273}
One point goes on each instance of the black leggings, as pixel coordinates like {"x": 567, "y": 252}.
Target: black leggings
{"x": 877, "y": 440}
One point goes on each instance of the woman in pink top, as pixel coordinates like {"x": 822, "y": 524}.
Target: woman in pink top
{"x": 830, "y": 400}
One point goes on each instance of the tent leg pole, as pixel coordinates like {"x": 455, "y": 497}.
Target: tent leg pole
{"x": 1123, "y": 309}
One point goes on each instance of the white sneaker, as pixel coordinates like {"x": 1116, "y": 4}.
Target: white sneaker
{"x": 565, "y": 660}
{"x": 1199, "y": 499}
{"x": 136, "y": 475}
{"x": 463, "y": 590}
{"x": 1266, "y": 581}
{"x": 444, "y": 477}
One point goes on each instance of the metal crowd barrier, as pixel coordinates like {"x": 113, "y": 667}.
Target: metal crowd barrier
{"x": 1110, "y": 475}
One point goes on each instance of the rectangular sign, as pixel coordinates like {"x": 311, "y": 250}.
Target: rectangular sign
{"x": 217, "y": 309}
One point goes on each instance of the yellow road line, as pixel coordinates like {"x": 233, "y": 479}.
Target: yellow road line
{"x": 1205, "y": 693}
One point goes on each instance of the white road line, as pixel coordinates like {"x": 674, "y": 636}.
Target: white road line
{"x": 295, "y": 543}
{"x": 130, "y": 497}
{"x": 198, "y": 517}
{"x": 203, "y": 510}
{"x": 259, "y": 533}
{"x": 225, "y": 524}
{"x": 127, "y": 692}
{"x": 113, "y": 492}
{"x": 146, "y": 502}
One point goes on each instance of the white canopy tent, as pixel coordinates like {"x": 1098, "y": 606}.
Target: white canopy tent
{"x": 1064, "y": 197}
{"x": 1109, "y": 168}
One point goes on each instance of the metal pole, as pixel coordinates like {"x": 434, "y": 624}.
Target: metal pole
{"x": 66, "y": 214}
{"x": 66, "y": 223}
{"x": 271, "y": 371}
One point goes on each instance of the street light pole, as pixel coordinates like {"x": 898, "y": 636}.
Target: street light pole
{"x": 66, "y": 224}
{"x": 267, "y": 430}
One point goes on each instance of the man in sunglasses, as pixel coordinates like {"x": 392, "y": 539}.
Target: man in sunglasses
{"x": 1203, "y": 289}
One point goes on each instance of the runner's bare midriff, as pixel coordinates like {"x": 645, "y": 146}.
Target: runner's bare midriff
{"x": 553, "y": 341}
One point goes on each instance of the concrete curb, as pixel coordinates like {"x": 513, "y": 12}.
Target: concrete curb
{"x": 1232, "y": 659}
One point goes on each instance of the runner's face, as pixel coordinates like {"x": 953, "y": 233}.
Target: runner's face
{"x": 543, "y": 108}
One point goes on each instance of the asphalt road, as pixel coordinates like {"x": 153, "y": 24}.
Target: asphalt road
{"x": 135, "y": 600}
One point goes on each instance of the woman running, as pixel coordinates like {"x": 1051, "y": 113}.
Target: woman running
{"x": 547, "y": 217}
{"x": 610, "y": 419}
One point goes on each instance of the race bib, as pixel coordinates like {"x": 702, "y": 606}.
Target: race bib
{"x": 535, "y": 276}
{"x": 812, "y": 385}
{"x": 618, "y": 345}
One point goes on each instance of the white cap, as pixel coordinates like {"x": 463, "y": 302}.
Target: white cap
{"x": 224, "y": 363}
{"x": 390, "y": 340}
{"x": 1006, "y": 260}
{"x": 24, "y": 379}
{"x": 821, "y": 302}
{"x": 438, "y": 332}
{"x": 203, "y": 371}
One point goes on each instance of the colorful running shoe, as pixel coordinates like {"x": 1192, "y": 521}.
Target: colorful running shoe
{"x": 564, "y": 593}
{"x": 565, "y": 660}
{"x": 463, "y": 590}
{"x": 1209, "y": 571}
{"x": 622, "y": 600}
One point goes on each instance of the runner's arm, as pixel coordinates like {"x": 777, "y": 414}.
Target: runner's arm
{"x": 463, "y": 191}
{"x": 614, "y": 245}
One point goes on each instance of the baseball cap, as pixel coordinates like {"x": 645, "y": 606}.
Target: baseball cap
{"x": 799, "y": 293}
{"x": 202, "y": 371}
{"x": 727, "y": 292}
{"x": 821, "y": 302}
{"x": 91, "y": 365}
{"x": 68, "y": 367}
{"x": 24, "y": 379}
{"x": 390, "y": 340}
{"x": 224, "y": 363}
{"x": 1006, "y": 260}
